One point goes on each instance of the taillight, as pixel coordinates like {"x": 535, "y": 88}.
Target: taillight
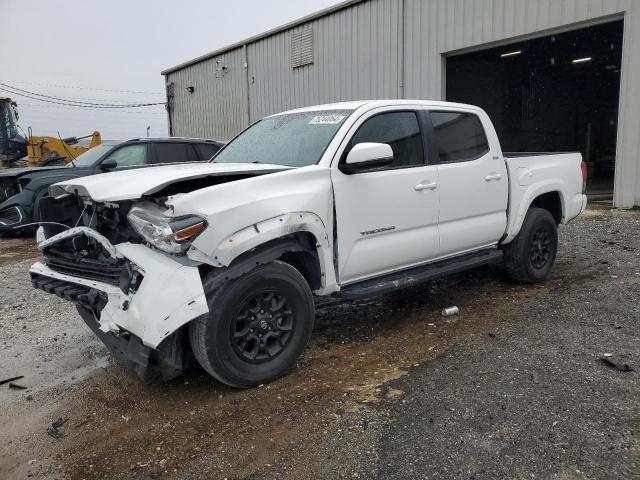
{"x": 583, "y": 167}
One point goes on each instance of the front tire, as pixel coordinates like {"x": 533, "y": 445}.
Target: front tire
{"x": 530, "y": 256}
{"x": 257, "y": 326}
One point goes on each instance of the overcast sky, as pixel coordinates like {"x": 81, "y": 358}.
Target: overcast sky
{"x": 113, "y": 51}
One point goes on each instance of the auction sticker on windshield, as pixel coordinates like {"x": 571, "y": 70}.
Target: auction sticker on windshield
{"x": 326, "y": 119}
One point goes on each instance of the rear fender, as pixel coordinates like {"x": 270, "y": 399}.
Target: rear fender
{"x": 526, "y": 197}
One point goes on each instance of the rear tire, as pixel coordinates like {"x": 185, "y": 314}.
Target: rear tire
{"x": 530, "y": 256}
{"x": 257, "y": 326}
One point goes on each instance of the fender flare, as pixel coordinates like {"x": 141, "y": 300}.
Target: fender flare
{"x": 247, "y": 240}
{"x": 528, "y": 197}
{"x": 249, "y": 260}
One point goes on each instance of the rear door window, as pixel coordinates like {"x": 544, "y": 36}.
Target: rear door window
{"x": 192, "y": 154}
{"x": 207, "y": 150}
{"x": 459, "y": 136}
{"x": 170, "y": 153}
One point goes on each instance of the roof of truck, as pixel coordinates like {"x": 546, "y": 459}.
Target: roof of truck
{"x": 175, "y": 140}
{"x": 353, "y": 105}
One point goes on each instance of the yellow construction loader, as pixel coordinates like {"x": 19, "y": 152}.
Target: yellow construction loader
{"x": 16, "y": 150}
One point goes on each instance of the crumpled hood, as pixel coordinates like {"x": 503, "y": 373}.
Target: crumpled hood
{"x": 133, "y": 184}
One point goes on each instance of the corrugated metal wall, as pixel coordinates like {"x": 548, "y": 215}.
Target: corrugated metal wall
{"x": 435, "y": 28}
{"x": 217, "y": 107}
{"x": 359, "y": 54}
{"x": 356, "y": 56}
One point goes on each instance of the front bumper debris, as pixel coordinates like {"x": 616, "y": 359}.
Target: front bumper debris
{"x": 169, "y": 295}
{"x": 80, "y": 294}
{"x": 165, "y": 363}
{"x": 128, "y": 349}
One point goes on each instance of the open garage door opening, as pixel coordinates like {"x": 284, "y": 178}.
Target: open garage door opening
{"x": 555, "y": 93}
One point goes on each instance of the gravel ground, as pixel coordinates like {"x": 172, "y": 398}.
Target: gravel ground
{"x": 534, "y": 400}
{"x": 42, "y": 339}
{"x": 513, "y": 387}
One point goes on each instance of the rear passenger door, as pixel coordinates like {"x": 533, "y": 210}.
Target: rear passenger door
{"x": 473, "y": 182}
{"x": 173, "y": 152}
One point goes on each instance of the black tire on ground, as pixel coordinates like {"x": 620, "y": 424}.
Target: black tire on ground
{"x": 530, "y": 256}
{"x": 257, "y": 326}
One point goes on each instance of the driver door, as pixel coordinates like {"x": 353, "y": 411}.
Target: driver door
{"x": 387, "y": 218}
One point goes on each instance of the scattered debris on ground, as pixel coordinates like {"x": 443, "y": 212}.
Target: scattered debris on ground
{"x": 450, "y": 311}
{"x": 12, "y": 379}
{"x": 54, "y": 429}
{"x": 621, "y": 366}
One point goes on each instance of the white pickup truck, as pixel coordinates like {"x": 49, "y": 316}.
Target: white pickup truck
{"x": 221, "y": 261}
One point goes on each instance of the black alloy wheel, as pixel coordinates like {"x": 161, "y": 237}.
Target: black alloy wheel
{"x": 530, "y": 256}
{"x": 540, "y": 251}
{"x": 263, "y": 326}
{"x": 257, "y": 325}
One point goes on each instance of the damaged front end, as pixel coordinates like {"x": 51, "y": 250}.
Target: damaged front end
{"x": 135, "y": 298}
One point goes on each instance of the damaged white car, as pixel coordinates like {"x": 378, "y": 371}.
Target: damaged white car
{"x": 221, "y": 261}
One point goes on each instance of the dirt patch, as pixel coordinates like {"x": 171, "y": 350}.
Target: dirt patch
{"x": 44, "y": 341}
{"x": 119, "y": 427}
{"x": 13, "y": 250}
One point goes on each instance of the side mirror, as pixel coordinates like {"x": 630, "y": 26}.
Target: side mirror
{"x": 108, "y": 164}
{"x": 365, "y": 156}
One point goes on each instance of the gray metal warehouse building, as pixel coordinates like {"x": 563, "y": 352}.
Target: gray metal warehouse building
{"x": 553, "y": 74}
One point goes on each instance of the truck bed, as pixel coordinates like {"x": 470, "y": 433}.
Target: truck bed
{"x": 534, "y": 154}
{"x": 534, "y": 173}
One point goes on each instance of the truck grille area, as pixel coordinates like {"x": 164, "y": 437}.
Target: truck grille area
{"x": 107, "y": 270}
{"x": 80, "y": 294}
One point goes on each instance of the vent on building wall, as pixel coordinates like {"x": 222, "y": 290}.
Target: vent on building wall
{"x": 302, "y": 47}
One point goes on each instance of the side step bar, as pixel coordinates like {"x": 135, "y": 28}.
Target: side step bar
{"x": 418, "y": 275}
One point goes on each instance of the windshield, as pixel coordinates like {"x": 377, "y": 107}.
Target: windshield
{"x": 292, "y": 139}
{"x": 90, "y": 157}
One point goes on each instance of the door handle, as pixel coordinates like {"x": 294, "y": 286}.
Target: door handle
{"x": 493, "y": 176}
{"x": 425, "y": 186}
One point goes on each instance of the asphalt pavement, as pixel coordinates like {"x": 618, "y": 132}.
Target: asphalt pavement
{"x": 532, "y": 398}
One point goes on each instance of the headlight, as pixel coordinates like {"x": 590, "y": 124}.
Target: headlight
{"x": 170, "y": 234}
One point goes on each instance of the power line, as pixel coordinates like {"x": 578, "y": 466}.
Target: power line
{"x": 62, "y": 101}
{"x": 79, "y": 106}
{"x": 80, "y": 88}
{"x": 110, "y": 111}
{"x": 109, "y": 100}
{"x": 71, "y": 101}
